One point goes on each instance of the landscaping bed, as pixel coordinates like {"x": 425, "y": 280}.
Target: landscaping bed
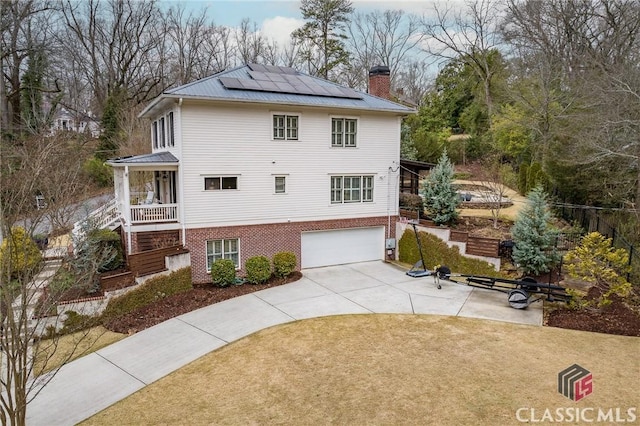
{"x": 200, "y": 296}
{"x": 617, "y": 318}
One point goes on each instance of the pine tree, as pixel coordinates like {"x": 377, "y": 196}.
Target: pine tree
{"x": 440, "y": 198}
{"x": 321, "y": 36}
{"x": 535, "y": 251}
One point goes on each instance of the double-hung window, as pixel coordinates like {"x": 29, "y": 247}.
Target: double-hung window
{"x": 343, "y": 132}
{"x": 285, "y": 127}
{"x": 163, "y": 131}
{"x": 223, "y": 249}
{"x": 351, "y": 189}
{"x": 154, "y": 133}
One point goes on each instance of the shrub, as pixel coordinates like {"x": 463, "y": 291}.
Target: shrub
{"x": 152, "y": 290}
{"x": 19, "y": 254}
{"x": 412, "y": 201}
{"x": 223, "y": 272}
{"x": 110, "y": 249}
{"x": 99, "y": 172}
{"x": 258, "y": 269}
{"x": 596, "y": 261}
{"x": 436, "y": 252}
{"x": 76, "y": 322}
{"x": 284, "y": 263}
{"x": 63, "y": 280}
{"x": 523, "y": 172}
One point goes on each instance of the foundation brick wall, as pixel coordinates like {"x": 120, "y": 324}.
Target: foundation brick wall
{"x": 267, "y": 240}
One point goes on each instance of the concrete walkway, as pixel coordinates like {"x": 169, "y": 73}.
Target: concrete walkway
{"x": 98, "y": 380}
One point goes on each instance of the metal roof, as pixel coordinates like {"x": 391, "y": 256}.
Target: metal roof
{"x": 155, "y": 158}
{"x": 244, "y": 89}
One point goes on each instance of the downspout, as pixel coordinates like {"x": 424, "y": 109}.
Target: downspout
{"x": 390, "y": 199}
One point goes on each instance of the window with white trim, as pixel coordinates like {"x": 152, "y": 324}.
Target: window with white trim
{"x": 154, "y": 134}
{"x": 163, "y": 131}
{"x": 214, "y": 183}
{"x": 343, "y": 132}
{"x": 285, "y": 127}
{"x": 280, "y": 185}
{"x": 223, "y": 249}
{"x": 351, "y": 189}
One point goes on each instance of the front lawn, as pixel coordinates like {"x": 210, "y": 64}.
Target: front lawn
{"x": 386, "y": 369}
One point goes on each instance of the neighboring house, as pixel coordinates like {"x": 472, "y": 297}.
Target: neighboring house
{"x": 65, "y": 119}
{"x": 262, "y": 159}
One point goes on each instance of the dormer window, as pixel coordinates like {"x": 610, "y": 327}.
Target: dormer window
{"x": 162, "y": 131}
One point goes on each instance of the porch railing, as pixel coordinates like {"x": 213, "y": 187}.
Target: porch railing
{"x": 154, "y": 213}
{"x": 102, "y": 217}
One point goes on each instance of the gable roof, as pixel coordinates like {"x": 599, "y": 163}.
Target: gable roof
{"x": 276, "y": 85}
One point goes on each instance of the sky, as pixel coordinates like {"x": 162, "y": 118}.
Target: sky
{"x": 276, "y": 19}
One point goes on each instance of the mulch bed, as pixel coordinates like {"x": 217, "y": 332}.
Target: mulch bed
{"x": 200, "y": 296}
{"x": 617, "y": 318}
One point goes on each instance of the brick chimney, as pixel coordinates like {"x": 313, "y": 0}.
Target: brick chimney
{"x": 380, "y": 81}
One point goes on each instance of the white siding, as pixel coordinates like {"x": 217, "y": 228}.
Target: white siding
{"x": 237, "y": 140}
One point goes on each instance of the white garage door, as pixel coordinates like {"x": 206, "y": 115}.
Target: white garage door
{"x": 325, "y": 248}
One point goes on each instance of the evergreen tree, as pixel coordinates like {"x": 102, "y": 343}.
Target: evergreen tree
{"x": 112, "y": 133}
{"x": 322, "y": 37}
{"x": 440, "y": 198}
{"x": 535, "y": 251}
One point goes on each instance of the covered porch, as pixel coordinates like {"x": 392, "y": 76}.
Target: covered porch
{"x": 146, "y": 188}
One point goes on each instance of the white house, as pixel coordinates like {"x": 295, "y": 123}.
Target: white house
{"x": 65, "y": 119}
{"x": 261, "y": 159}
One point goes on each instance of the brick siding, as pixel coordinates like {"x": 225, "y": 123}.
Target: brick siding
{"x": 380, "y": 86}
{"x": 268, "y": 239}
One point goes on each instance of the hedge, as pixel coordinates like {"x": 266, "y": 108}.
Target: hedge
{"x": 152, "y": 290}
{"x": 437, "y": 252}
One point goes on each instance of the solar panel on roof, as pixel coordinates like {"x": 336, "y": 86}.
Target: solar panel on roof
{"x": 256, "y": 67}
{"x": 285, "y": 87}
{"x": 277, "y": 78}
{"x": 259, "y": 75}
{"x": 270, "y": 78}
{"x": 269, "y": 86}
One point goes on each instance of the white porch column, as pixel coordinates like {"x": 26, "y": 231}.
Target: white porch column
{"x": 126, "y": 207}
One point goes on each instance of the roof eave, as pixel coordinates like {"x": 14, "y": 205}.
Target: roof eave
{"x": 258, "y": 101}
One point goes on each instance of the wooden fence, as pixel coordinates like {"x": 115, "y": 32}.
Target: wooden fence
{"x": 152, "y": 261}
{"x": 480, "y": 246}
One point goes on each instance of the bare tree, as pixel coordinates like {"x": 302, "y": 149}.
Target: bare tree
{"x": 38, "y": 165}
{"x": 249, "y": 42}
{"x": 116, "y": 44}
{"x": 383, "y": 38}
{"x": 188, "y": 36}
{"x": 592, "y": 51}
{"x": 494, "y": 186}
{"x": 470, "y": 35}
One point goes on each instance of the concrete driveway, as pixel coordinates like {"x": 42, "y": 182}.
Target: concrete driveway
{"x": 100, "y": 379}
